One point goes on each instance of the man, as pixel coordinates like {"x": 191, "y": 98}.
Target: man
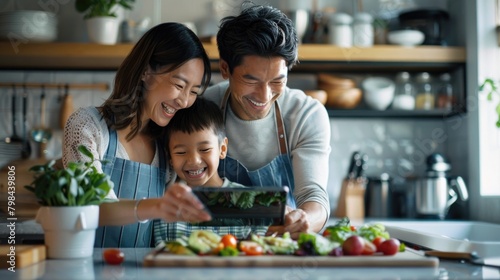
{"x": 277, "y": 135}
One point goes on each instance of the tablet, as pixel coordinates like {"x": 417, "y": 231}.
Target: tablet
{"x": 249, "y": 206}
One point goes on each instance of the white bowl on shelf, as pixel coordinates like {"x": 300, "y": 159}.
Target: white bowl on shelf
{"x": 378, "y": 92}
{"x": 407, "y": 38}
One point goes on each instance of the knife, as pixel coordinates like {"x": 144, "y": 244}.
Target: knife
{"x": 355, "y": 160}
{"x": 361, "y": 168}
{"x": 471, "y": 257}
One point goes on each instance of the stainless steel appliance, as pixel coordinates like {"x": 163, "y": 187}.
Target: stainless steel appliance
{"x": 436, "y": 192}
{"x": 378, "y": 197}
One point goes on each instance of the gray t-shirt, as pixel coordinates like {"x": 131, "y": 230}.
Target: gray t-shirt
{"x": 307, "y": 128}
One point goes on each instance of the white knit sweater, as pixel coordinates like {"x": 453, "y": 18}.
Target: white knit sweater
{"x": 87, "y": 127}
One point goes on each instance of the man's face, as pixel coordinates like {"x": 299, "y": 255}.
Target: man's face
{"x": 255, "y": 85}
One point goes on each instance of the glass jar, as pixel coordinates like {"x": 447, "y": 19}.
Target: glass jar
{"x": 405, "y": 92}
{"x": 425, "y": 96}
{"x": 340, "y": 30}
{"x": 363, "y": 30}
{"x": 445, "y": 96}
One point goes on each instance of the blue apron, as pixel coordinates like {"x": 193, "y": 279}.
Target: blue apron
{"x": 133, "y": 180}
{"x": 278, "y": 172}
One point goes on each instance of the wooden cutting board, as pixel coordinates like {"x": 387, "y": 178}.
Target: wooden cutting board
{"x": 24, "y": 255}
{"x": 403, "y": 259}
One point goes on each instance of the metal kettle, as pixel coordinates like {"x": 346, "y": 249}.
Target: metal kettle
{"x": 437, "y": 191}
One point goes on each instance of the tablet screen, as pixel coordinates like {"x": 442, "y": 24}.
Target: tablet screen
{"x": 243, "y": 206}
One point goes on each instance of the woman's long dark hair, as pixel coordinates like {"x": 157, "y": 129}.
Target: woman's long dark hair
{"x": 168, "y": 44}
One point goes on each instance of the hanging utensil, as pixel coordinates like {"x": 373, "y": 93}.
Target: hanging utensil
{"x": 66, "y": 107}
{"x": 12, "y": 145}
{"x": 42, "y": 134}
{"x": 26, "y": 151}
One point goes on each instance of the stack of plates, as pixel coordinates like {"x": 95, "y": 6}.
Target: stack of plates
{"x": 28, "y": 26}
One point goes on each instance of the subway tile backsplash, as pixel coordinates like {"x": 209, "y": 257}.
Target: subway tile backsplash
{"x": 396, "y": 146}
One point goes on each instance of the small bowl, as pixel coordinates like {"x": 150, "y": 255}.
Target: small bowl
{"x": 378, "y": 92}
{"x": 319, "y": 95}
{"x": 343, "y": 98}
{"x": 336, "y": 81}
{"x": 407, "y": 38}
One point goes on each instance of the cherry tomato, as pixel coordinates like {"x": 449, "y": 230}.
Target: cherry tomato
{"x": 377, "y": 241}
{"x": 353, "y": 245}
{"x": 390, "y": 246}
{"x": 217, "y": 249}
{"x": 113, "y": 256}
{"x": 229, "y": 240}
{"x": 251, "y": 248}
{"x": 326, "y": 233}
{"x": 353, "y": 228}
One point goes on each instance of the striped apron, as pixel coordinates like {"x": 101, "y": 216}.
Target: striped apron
{"x": 278, "y": 172}
{"x": 133, "y": 180}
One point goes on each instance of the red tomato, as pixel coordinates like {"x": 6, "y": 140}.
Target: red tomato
{"x": 326, "y": 233}
{"x": 353, "y": 245}
{"x": 377, "y": 241}
{"x": 390, "y": 246}
{"x": 113, "y": 256}
{"x": 251, "y": 248}
{"x": 353, "y": 228}
{"x": 229, "y": 240}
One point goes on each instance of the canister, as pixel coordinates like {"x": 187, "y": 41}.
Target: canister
{"x": 363, "y": 30}
{"x": 340, "y": 31}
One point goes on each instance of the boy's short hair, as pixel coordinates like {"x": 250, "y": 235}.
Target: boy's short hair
{"x": 203, "y": 114}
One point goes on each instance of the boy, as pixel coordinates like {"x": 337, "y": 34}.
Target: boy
{"x": 196, "y": 142}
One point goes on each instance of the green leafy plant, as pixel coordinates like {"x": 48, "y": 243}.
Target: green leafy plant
{"x": 492, "y": 88}
{"x": 79, "y": 184}
{"x": 101, "y": 8}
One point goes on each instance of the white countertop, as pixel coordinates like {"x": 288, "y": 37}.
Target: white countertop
{"x": 132, "y": 268}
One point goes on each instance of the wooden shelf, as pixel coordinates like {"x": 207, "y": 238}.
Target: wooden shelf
{"x": 389, "y": 113}
{"x": 82, "y": 56}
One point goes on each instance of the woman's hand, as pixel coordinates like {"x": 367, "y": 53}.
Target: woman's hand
{"x": 180, "y": 204}
{"x": 295, "y": 223}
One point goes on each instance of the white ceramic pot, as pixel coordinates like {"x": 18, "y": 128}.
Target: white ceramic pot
{"x": 378, "y": 92}
{"x": 103, "y": 30}
{"x": 69, "y": 231}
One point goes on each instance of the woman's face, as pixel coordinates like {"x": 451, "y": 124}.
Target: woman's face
{"x": 195, "y": 157}
{"x": 166, "y": 93}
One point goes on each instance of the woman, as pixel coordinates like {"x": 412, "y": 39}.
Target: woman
{"x": 165, "y": 72}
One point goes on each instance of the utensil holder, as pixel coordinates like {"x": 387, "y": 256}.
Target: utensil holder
{"x": 351, "y": 201}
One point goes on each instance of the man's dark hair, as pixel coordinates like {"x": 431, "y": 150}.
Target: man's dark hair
{"x": 258, "y": 30}
{"x": 203, "y": 114}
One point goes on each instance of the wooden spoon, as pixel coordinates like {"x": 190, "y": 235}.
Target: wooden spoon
{"x": 66, "y": 108}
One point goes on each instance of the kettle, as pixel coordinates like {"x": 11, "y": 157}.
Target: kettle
{"x": 437, "y": 191}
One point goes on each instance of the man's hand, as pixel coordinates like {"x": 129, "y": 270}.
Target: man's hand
{"x": 310, "y": 217}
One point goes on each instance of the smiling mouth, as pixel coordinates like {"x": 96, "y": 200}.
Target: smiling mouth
{"x": 196, "y": 172}
{"x": 167, "y": 109}
{"x": 257, "y": 104}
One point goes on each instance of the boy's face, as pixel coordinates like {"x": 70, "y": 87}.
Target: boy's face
{"x": 195, "y": 157}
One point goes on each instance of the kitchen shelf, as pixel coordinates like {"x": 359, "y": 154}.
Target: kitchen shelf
{"x": 313, "y": 58}
{"x": 81, "y": 56}
{"x": 389, "y": 113}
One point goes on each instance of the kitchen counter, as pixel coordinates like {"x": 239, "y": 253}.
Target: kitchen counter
{"x": 132, "y": 268}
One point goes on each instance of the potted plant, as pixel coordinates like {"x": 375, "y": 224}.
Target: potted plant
{"x": 70, "y": 199}
{"x": 101, "y": 19}
{"x": 492, "y": 88}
